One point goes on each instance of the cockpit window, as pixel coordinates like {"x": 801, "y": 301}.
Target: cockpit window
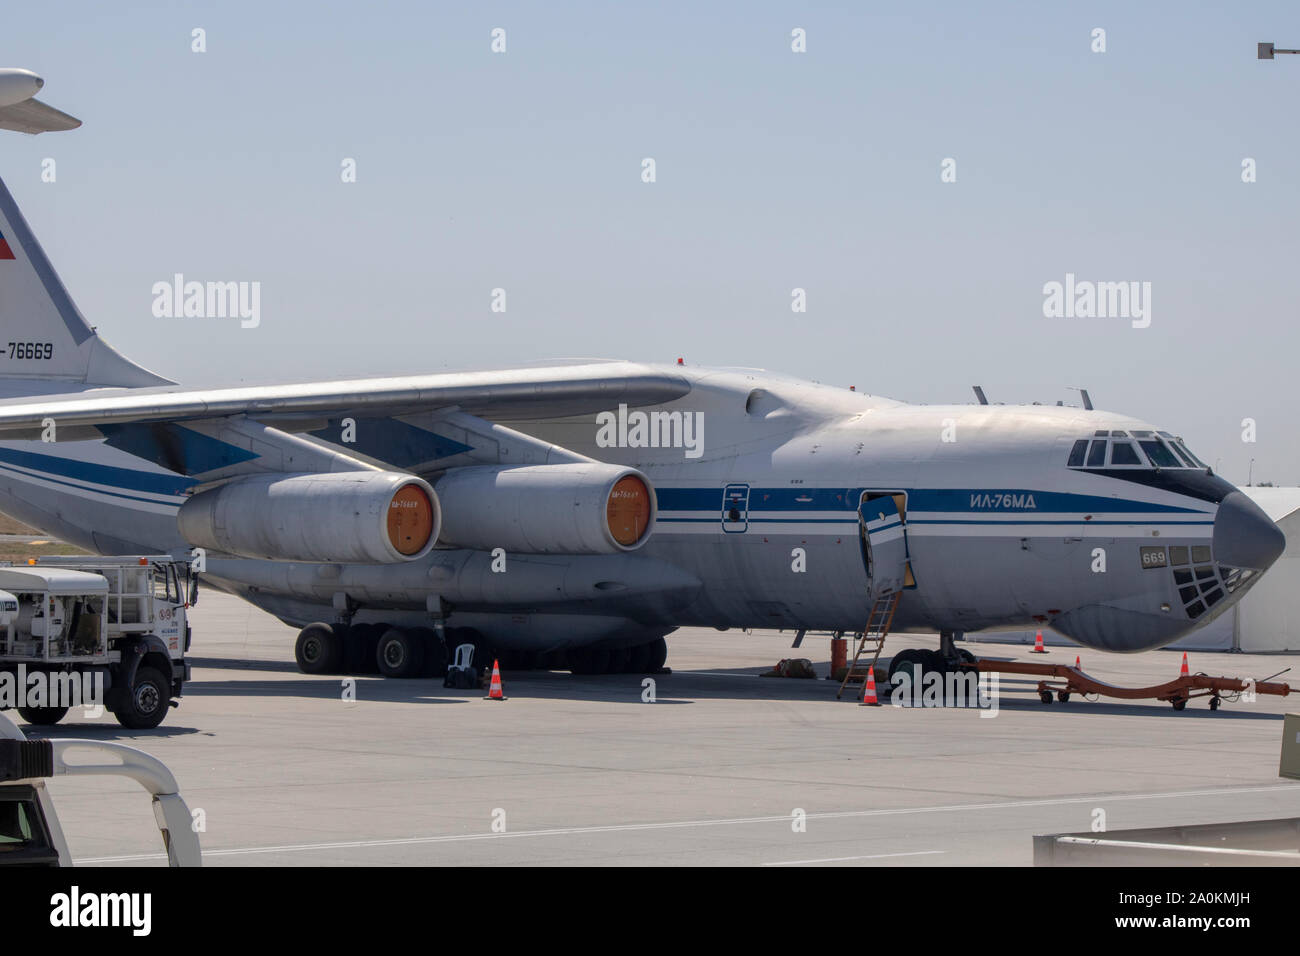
{"x": 1160, "y": 456}
{"x": 1183, "y": 456}
{"x": 1182, "y": 446}
{"x": 1113, "y": 448}
{"x": 1123, "y": 453}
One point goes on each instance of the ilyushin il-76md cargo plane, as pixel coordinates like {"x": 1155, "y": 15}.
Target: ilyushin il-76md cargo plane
{"x": 574, "y": 515}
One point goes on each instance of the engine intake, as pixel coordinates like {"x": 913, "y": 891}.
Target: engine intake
{"x": 365, "y": 517}
{"x": 581, "y": 508}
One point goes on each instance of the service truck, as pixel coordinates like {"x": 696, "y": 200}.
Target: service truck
{"x": 111, "y": 629}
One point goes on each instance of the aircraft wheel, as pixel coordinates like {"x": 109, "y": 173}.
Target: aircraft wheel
{"x": 318, "y": 649}
{"x": 484, "y": 653}
{"x": 638, "y": 659}
{"x": 146, "y": 701}
{"x": 400, "y": 653}
{"x": 599, "y": 658}
{"x": 359, "y": 643}
{"x": 42, "y": 716}
{"x": 905, "y": 661}
{"x": 618, "y": 661}
{"x": 435, "y": 654}
{"x": 658, "y": 655}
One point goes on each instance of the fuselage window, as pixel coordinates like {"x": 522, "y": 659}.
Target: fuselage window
{"x": 1160, "y": 456}
{"x": 1123, "y": 453}
{"x": 1078, "y": 452}
{"x": 1097, "y": 454}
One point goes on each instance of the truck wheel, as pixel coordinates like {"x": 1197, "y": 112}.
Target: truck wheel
{"x": 146, "y": 702}
{"x": 42, "y": 716}
{"x": 400, "y": 653}
{"x": 318, "y": 650}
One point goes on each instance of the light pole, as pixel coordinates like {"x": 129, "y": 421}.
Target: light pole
{"x": 1266, "y": 51}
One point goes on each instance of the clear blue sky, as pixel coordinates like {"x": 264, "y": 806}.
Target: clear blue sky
{"x": 775, "y": 170}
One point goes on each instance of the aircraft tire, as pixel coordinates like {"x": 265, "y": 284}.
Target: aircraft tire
{"x": 658, "y": 656}
{"x": 619, "y": 661}
{"x": 42, "y": 716}
{"x": 905, "y": 661}
{"x": 638, "y": 658}
{"x": 598, "y": 658}
{"x": 400, "y": 653}
{"x": 318, "y": 649}
{"x": 484, "y": 652}
{"x": 435, "y": 654}
{"x": 359, "y": 644}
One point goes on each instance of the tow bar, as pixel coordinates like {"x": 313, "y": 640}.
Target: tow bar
{"x": 1065, "y": 680}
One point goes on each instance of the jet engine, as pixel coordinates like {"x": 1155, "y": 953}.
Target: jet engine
{"x": 578, "y": 508}
{"x": 17, "y": 86}
{"x": 364, "y": 517}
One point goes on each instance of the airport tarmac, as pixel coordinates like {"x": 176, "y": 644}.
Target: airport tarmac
{"x": 581, "y": 771}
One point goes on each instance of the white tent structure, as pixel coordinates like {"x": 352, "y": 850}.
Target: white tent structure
{"x": 1266, "y": 620}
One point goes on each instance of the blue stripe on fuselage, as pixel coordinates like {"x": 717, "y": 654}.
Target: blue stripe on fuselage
{"x": 947, "y": 500}
{"x": 122, "y": 479}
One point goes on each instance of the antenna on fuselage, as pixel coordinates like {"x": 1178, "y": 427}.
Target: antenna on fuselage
{"x": 979, "y": 395}
{"x": 1083, "y": 393}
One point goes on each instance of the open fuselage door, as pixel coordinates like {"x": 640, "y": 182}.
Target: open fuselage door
{"x": 882, "y": 523}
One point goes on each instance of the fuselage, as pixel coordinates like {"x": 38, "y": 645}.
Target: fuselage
{"x": 766, "y": 491}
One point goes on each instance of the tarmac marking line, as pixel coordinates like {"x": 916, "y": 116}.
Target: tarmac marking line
{"x": 688, "y": 824}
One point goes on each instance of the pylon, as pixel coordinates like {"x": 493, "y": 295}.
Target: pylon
{"x": 1077, "y": 665}
{"x": 1184, "y": 671}
{"x": 1038, "y": 644}
{"x": 494, "y": 689}
{"x": 869, "y": 691}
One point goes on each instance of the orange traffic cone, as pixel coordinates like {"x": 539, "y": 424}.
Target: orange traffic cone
{"x": 869, "y": 692}
{"x": 1184, "y": 671}
{"x": 494, "y": 690}
{"x": 1077, "y": 665}
{"x": 1038, "y": 644}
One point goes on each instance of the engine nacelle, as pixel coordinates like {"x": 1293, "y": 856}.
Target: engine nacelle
{"x": 16, "y": 86}
{"x": 581, "y": 508}
{"x": 365, "y": 517}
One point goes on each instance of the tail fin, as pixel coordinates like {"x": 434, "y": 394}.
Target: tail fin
{"x": 43, "y": 335}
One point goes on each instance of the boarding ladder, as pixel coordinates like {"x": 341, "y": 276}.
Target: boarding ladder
{"x": 872, "y": 639}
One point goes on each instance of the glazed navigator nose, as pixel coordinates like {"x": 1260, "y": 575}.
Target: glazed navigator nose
{"x": 1245, "y": 537}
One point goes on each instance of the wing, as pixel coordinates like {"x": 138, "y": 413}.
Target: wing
{"x": 503, "y": 395}
{"x": 419, "y": 424}
{"x": 33, "y": 116}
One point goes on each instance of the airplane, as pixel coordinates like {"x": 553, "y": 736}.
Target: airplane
{"x": 574, "y": 514}
{"x": 20, "y": 112}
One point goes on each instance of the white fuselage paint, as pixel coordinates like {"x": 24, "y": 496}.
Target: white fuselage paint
{"x": 999, "y": 531}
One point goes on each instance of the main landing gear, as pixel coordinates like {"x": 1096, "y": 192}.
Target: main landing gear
{"x": 392, "y": 651}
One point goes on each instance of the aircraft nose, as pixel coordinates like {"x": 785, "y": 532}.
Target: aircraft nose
{"x": 1245, "y": 537}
